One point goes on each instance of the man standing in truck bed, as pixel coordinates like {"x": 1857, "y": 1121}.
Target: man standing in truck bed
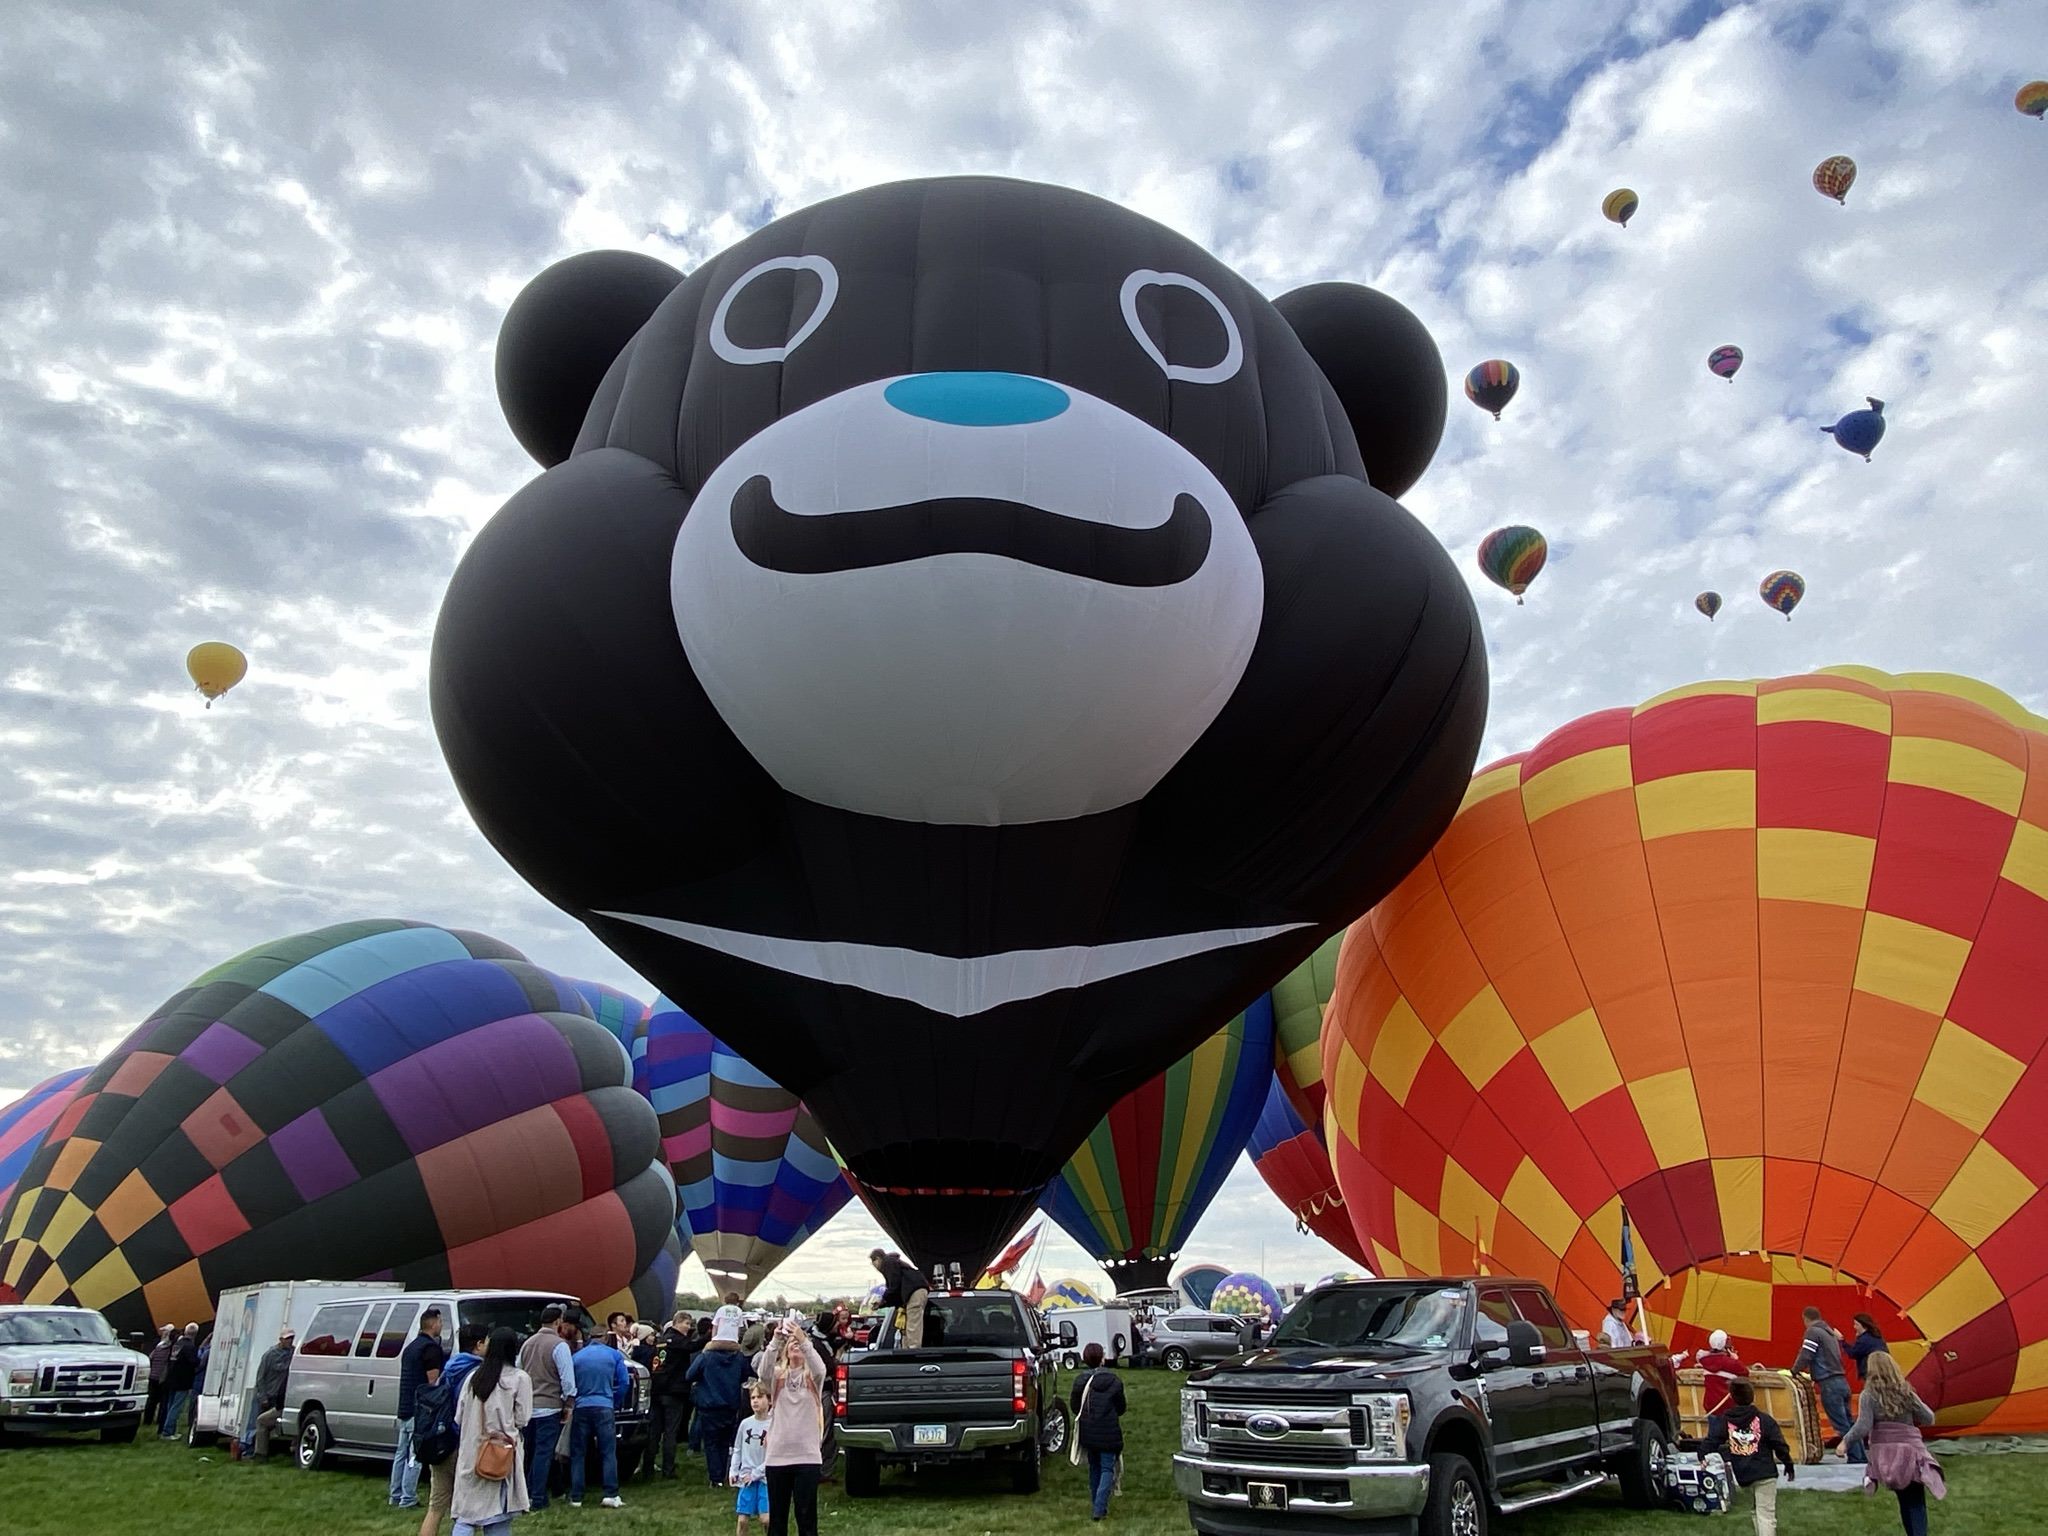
{"x": 903, "y": 1286}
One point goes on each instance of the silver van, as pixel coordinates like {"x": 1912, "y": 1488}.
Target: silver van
{"x": 342, "y": 1396}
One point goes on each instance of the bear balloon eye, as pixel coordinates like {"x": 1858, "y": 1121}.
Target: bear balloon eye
{"x": 828, "y": 290}
{"x": 1233, "y": 350}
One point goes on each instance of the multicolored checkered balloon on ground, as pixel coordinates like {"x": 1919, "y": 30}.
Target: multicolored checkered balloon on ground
{"x": 1246, "y": 1295}
{"x": 1765, "y": 963}
{"x": 377, "y": 1100}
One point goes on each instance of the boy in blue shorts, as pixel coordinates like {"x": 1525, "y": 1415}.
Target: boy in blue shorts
{"x": 750, "y": 1461}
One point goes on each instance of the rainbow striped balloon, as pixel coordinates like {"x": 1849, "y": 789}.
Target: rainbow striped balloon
{"x": 1492, "y": 384}
{"x": 1149, "y": 1169}
{"x": 1723, "y": 361}
{"x": 1782, "y": 590}
{"x": 1510, "y": 557}
{"x": 2032, "y": 98}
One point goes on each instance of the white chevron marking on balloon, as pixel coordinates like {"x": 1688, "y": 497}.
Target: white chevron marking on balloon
{"x": 958, "y": 986}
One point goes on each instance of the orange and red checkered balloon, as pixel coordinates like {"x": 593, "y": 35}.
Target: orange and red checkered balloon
{"x": 1765, "y": 962}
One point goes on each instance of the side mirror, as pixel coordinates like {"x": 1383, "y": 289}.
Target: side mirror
{"x": 1490, "y": 1352}
{"x": 1068, "y": 1338}
{"x": 1525, "y": 1343}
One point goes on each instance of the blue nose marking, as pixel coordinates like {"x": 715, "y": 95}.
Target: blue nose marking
{"x": 977, "y": 399}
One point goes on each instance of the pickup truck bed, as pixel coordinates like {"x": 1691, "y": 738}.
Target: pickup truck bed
{"x": 984, "y": 1390}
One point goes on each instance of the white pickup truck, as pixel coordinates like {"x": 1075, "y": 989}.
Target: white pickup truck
{"x": 62, "y": 1368}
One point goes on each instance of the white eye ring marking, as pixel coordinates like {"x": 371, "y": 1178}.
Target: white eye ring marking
{"x": 733, "y": 352}
{"x": 1233, "y": 355}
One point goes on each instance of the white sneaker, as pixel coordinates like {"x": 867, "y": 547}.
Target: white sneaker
{"x": 614, "y": 1502}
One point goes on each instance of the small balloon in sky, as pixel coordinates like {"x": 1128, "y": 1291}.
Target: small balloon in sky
{"x": 1708, "y": 603}
{"x": 1834, "y": 176}
{"x": 1619, "y": 206}
{"x": 1510, "y": 557}
{"x": 1723, "y": 362}
{"x": 1492, "y": 384}
{"x": 1860, "y": 431}
{"x": 2032, "y": 98}
{"x": 215, "y": 667}
{"x": 1782, "y": 590}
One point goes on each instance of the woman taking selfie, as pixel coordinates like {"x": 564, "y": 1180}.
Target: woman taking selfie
{"x": 796, "y": 1427}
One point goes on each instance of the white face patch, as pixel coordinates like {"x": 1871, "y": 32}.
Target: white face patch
{"x": 996, "y": 600}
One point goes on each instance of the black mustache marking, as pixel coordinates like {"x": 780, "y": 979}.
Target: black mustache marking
{"x": 811, "y": 545}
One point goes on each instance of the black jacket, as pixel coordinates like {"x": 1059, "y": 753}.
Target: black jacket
{"x": 271, "y": 1376}
{"x": 900, "y": 1279}
{"x": 1099, "y": 1422}
{"x": 673, "y": 1349}
{"x": 1752, "y": 1442}
{"x": 184, "y": 1367}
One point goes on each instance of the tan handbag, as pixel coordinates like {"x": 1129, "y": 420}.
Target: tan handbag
{"x": 494, "y": 1459}
{"x": 1074, "y": 1429}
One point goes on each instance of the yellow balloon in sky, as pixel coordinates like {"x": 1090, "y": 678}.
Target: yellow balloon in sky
{"x": 215, "y": 667}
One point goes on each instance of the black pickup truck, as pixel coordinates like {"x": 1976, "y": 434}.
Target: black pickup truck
{"x": 1435, "y": 1405}
{"x": 981, "y": 1387}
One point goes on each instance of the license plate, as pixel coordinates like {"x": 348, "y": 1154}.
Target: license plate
{"x": 1266, "y": 1495}
{"x": 928, "y": 1434}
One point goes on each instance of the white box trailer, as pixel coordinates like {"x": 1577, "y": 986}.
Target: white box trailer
{"x": 244, "y": 1330}
{"x": 1109, "y": 1325}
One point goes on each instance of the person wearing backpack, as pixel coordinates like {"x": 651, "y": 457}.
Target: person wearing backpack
{"x": 435, "y": 1434}
{"x": 1098, "y": 1407}
{"x": 1754, "y": 1447}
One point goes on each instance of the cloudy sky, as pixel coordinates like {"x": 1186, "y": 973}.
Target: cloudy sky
{"x": 252, "y": 260}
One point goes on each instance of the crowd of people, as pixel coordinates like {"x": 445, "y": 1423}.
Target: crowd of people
{"x": 485, "y": 1425}
{"x": 1883, "y": 1434}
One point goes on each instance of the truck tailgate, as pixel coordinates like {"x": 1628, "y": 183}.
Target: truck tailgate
{"x": 930, "y": 1386}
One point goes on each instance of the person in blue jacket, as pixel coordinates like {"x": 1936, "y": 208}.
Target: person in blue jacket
{"x": 602, "y": 1381}
{"x": 715, "y": 1377}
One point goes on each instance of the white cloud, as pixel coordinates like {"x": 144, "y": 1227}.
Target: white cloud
{"x": 252, "y": 269}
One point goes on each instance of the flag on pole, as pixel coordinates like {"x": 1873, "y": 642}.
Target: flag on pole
{"x": 1013, "y": 1255}
{"x": 1631, "y": 1288}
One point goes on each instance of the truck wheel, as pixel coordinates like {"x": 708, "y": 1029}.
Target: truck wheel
{"x": 1120, "y": 1349}
{"x": 863, "y": 1474}
{"x": 1457, "y": 1499}
{"x": 1642, "y": 1473}
{"x": 118, "y": 1434}
{"x": 1024, "y": 1470}
{"x": 1052, "y": 1434}
{"x": 1175, "y": 1358}
{"x": 310, "y": 1448}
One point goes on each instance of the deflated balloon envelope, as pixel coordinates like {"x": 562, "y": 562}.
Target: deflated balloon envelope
{"x": 376, "y": 1100}
{"x": 1028, "y": 661}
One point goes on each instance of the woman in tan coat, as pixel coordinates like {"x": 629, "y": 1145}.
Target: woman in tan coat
{"x": 495, "y": 1403}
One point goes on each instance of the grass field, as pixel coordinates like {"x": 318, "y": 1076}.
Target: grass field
{"x": 63, "y": 1487}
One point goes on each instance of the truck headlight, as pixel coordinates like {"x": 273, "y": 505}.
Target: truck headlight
{"x": 1194, "y": 1420}
{"x": 1379, "y": 1425}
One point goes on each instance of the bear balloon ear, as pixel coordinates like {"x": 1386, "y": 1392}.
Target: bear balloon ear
{"x": 561, "y": 335}
{"x": 1385, "y": 369}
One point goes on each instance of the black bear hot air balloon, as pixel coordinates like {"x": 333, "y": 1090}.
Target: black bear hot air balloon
{"x": 1028, "y": 658}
